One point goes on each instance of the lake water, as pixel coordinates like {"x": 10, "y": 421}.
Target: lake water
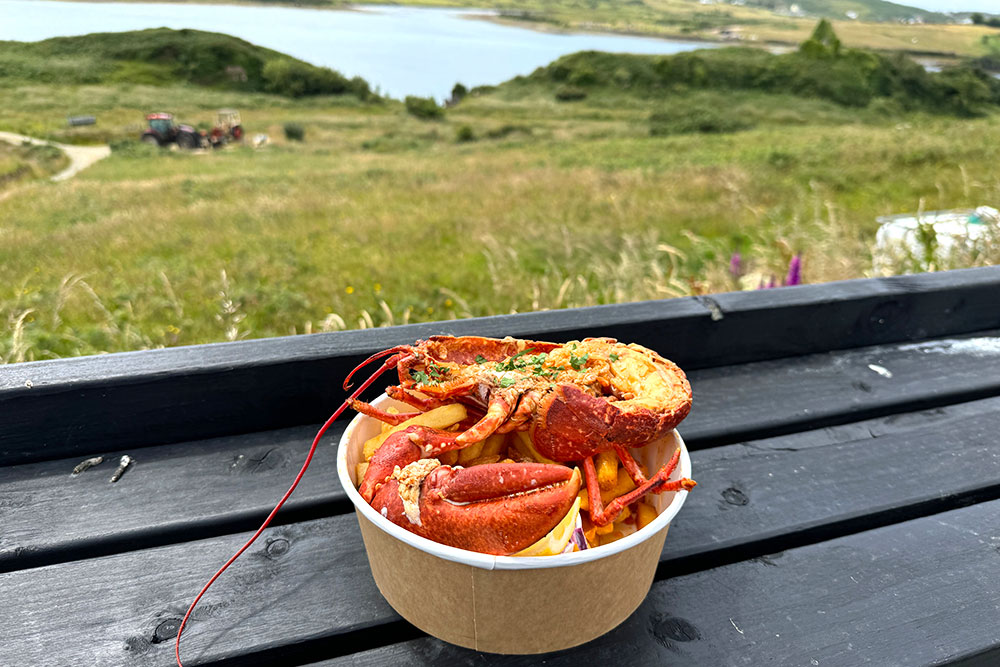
{"x": 403, "y": 51}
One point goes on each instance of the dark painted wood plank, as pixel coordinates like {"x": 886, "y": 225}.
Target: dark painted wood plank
{"x": 915, "y": 593}
{"x": 163, "y": 396}
{"x": 761, "y": 496}
{"x": 161, "y": 498}
{"x": 751, "y": 500}
{"x": 766, "y": 324}
{"x": 773, "y": 397}
{"x": 299, "y": 582}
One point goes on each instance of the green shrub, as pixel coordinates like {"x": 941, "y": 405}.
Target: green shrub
{"x": 162, "y": 56}
{"x": 424, "y": 108}
{"x": 464, "y": 134}
{"x": 507, "y": 130}
{"x": 458, "y": 93}
{"x": 823, "y": 68}
{"x": 295, "y": 132}
{"x": 570, "y": 93}
{"x": 688, "y": 118}
{"x": 294, "y": 78}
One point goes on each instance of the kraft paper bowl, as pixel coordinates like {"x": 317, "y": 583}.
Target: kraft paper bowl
{"x": 502, "y": 604}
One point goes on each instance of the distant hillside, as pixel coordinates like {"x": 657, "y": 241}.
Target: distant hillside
{"x": 864, "y": 10}
{"x": 821, "y": 68}
{"x": 162, "y": 56}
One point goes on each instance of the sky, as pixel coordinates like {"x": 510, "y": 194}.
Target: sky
{"x": 991, "y": 6}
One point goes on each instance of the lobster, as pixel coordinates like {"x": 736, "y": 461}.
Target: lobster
{"x": 575, "y": 401}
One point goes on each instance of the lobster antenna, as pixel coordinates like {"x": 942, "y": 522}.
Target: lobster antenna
{"x": 377, "y": 355}
{"x": 389, "y": 363}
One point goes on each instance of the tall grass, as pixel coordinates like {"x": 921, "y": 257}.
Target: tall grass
{"x": 380, "y": 219}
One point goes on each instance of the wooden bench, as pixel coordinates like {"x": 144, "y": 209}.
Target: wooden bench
{"x": 844, "y": 437}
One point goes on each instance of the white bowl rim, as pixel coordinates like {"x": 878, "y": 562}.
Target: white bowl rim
{"x": 486, "y": 561}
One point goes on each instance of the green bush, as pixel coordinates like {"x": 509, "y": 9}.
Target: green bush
{"x": 506, "y": 130}
{"x": 295, "y": 132}
{"x": 294, "y": 78}
{"x": 464, "y": 134}
{"x": 424, "y": 108}
{"x": 458, "y": 93}
{"x": 822, "y": 68}
{"x": 162, "y": 56}
{"x": 570, "y": 93}
{"x": 688, "y": 118}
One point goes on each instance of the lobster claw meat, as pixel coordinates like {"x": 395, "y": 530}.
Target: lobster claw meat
{"x": 497, "y": 508}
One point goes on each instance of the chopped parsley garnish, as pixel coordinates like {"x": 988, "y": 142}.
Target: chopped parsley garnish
{"x": 578, "y": 362}
{"x": 507, "y": 381}
{"x": 418, "y": 376}
{"x": 613, "y": 357}
{"x": 437, "y": 372}
{"x": 515, "y": 361}
{"x": 480, "y": 359}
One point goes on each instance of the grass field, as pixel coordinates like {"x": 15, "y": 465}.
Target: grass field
{"x": 23, "y": 163}
{"x": 515, "y": 201}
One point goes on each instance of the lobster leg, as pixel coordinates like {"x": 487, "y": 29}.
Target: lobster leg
{"x": 659, "y": 483}
{"x": 630, "y": 465}
{"x": 377, "y": 413}
{"x": 422, "y": 404}
{"x": 501, "y": 405}
{"x": 524, "y": 412}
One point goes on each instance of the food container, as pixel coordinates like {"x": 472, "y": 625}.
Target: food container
{"x": 503, "y": 604}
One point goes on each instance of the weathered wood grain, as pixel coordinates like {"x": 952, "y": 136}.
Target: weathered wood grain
{"x": 914, "y": 593}
{"x": 752, "y": 499}
{"x": 299, "y": 582}
{"x": 162, "y": 497}
{"x": 169, "y": 493}
{"x": 162, "y": 396}
{"x": 773, "y": 397}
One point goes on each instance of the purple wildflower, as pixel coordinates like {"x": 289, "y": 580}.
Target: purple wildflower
{"x": 736, "y": 266}
{"x": 772, "y": 282}
{"x": 794, "y": 276}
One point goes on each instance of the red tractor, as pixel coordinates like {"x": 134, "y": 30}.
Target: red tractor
{"x": 163, "y": 132}
{"x": 228, "y": 127}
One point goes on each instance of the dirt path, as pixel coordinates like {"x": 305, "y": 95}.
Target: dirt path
{"x": 80, "y": 157}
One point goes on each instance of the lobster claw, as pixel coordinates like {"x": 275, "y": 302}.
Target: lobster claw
{"x": 497, "y": 508}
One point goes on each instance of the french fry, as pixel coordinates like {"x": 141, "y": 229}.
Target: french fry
{"x": 623, "y": 486}
{"x": 608, "y": 538}
{"x": 361, "y": 469}
{"x": 441, "y": 417}
{"x": 473, "y": 451}
{"x": 524, "y": 445}
{"x": 588, "y": 530}
{"x": 604, "y": 530}
{"x": 645, "y": 515}
{"x": 482, "y": 459}
{"x": 449, "y": 458}
{"x": 372, "y": 445}
{"x": 607, "y": 469}
{"x": 584, "y": 498}
{"x": 493, "y": 445}
{"x": 391, "y": 411}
